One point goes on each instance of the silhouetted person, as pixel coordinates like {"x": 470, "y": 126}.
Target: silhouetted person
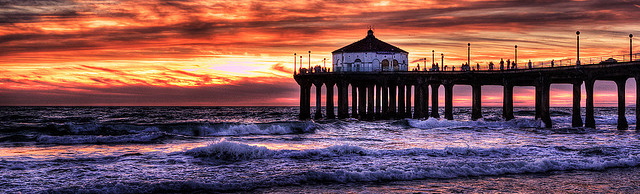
{"x": 446, "y": 68}
{"x": 508, "y": 63}
{"x": 490, "y": 65}
{"x": 453, "y": 68}
{"x": 514, "y": 65}
{"x": 478, "y": 66}
{"x": 552, "y": 62}
{"x": 530, "y": 65}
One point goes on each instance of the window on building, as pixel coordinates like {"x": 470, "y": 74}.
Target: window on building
{"x": 396, "y": 67}
{"x": 385, "y": 65}
{"x": 357, "y": 65}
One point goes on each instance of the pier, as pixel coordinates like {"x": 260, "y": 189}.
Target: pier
{"x": 383, "y": 87}
{"x": 388, "y": 94}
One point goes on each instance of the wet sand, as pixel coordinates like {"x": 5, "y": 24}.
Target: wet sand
{"x": 617, "y": 180}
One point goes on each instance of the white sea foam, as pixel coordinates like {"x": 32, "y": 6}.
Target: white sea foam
{"x": 231, "y": 151}
{"x": 237, "y": 129}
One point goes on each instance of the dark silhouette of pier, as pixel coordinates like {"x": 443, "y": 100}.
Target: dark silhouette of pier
{"x": 388, "y": 94}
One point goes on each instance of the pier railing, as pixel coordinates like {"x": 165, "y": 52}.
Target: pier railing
{"x": 521, "y": 64}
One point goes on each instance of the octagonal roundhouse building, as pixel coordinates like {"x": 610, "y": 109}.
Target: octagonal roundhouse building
{"x": 370, "y": 54}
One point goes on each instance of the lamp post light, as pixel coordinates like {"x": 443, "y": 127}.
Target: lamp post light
{"x": 468, "y": 53}
{"x": 294, "y": 63}
{"x": 578, "y": 47}
{"x": 630, "y": 47}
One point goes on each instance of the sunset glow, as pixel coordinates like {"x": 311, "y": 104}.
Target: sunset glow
{"x": 217, "y": 53}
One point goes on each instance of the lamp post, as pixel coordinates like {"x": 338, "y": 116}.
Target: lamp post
{"x": 294, "y": 63}
{"x": 468, "y": 53}
{"x": 425, "y": 64}
{"x": 630, "y": 47}
{"x": 433, "y": 57}
{"x": 324, "y": 63}
{"x": 578, "y": 47}
{"x": 309, "y": 59}
{"x": 516, "y": 61}
{"x": 442, "y": 62}
{"x": 301, "y": 63}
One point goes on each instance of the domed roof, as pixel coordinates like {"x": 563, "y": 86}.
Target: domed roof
{"x": 370, "y": 44}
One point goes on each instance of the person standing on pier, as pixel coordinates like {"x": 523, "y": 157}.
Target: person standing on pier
{"x": 508, "y": 63}
{"x": 514, "y": 65}
{"x": 501, "y": 64}
{"x": 530, "y": 65}
{"x": 552, "y": 62}
{"x": 491, "y": 66}
{"x": 477, "y": 66}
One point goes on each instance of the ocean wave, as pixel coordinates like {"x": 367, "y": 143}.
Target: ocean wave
{"x": 92, "y": 139}
{"x": 71, "y": 133}
{"x": 358, "y": 164}
{"x": 442, "y": 123}
{"x": 237, "y": 129}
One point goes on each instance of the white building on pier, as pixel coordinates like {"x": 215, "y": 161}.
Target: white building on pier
{"x": 370, "y": 54}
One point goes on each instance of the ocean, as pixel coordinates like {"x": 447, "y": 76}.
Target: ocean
{"x": 267, "y": 150}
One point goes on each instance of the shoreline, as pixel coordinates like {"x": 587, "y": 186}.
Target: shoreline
{"x": 614, "y": 180}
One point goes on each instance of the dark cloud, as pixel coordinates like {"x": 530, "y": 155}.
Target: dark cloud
{"x": 21, "y": 11}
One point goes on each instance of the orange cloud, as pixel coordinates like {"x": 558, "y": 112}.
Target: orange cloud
{"x": 65, "y": 47}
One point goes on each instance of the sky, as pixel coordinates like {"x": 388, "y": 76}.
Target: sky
{"x": 240, "y": 53}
